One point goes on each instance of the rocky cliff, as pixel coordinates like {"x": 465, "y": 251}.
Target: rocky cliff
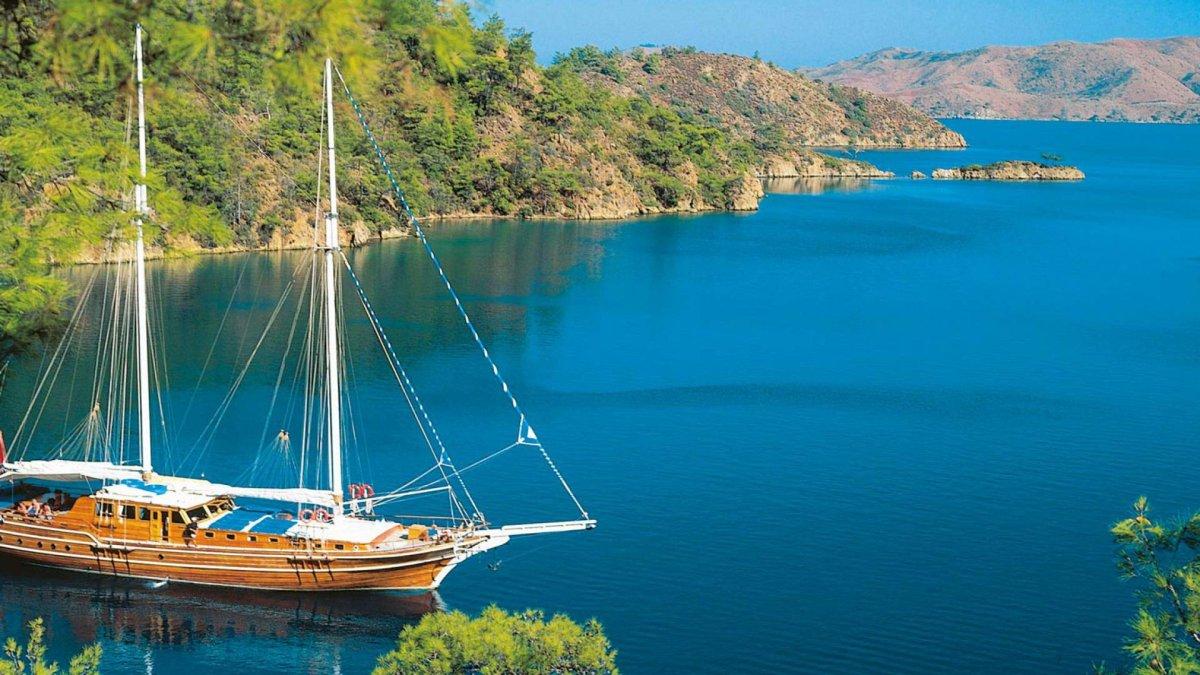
{"x": 1138, "y": 80}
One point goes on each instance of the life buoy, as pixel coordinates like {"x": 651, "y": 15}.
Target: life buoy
{"x": 355, "y": 491}
{"x": 306, "y": 515}
{"x": 323, "y": 516}
{"x": 367, "y": 490}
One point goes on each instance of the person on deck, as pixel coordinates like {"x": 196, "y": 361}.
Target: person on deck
{"x": 189, "y": 534}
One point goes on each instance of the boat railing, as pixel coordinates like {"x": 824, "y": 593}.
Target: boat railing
{"x": 26, "y": 521}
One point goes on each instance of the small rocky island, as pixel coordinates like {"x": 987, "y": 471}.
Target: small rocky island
{"x": 1010, "y": 170}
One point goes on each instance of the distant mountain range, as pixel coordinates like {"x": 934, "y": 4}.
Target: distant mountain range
{"x": 1137, "y": 80}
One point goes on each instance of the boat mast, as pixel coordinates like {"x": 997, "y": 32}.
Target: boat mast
{"x": 143, "y": 331}
{"x": 331, "y": 334}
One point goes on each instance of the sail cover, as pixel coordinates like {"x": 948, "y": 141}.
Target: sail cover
{"x": 289, "y": 495}
{"x": 67, "y": 471}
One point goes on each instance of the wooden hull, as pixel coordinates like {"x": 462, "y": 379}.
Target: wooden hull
{"x": 285, "y": 569}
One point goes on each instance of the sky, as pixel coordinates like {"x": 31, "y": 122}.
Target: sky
{"x": 795, "y": 33}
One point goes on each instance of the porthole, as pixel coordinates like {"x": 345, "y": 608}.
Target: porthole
{"x": 161, "y": 556}
{"x": 67, "y": 547}
{"x": 20, "y": 542}
{"x": 231, "y": 537}
{"x": 53, "y": 547}
{"x": 40, "y": 545}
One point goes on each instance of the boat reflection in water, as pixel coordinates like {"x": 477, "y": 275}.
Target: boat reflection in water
{"x": 146, "y": 627}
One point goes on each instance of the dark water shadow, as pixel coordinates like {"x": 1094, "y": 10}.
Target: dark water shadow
{"x": 104, "y": 609}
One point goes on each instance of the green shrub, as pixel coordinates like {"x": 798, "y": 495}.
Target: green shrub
{"x": 499, "y": 642}
{"x": 31, "y": 658}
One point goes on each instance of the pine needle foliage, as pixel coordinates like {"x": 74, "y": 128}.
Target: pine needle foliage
{"x": 1165, "y": 559}
{"x": 30, "y": 658}
{"x": 499, "y": 643}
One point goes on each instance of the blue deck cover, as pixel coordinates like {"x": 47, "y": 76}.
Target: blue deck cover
{"x": 152, "y": 488}
{"x": 238, "y": 519}
{"x": 272, "y": 526}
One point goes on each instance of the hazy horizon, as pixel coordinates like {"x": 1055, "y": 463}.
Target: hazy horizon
{"x": 813, "y": 34}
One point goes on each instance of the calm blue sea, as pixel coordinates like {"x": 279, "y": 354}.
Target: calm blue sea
{"x": 873, "y": 427}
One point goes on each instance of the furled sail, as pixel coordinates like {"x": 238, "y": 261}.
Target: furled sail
{"x": 67, "y": 471}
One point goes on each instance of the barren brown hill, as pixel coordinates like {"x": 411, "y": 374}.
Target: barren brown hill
{"x": 1138, "y": 80}
{"x": 776, "y": 108}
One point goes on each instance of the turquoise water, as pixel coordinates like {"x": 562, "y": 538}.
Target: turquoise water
{"x": 872, "y": 427}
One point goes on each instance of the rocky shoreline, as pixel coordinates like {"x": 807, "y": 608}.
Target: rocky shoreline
{"x": 810, "y": 164}
{"x": 802, "y": 163}
{"x": 1011, "y": 171}
{"x": 298, "y": 233}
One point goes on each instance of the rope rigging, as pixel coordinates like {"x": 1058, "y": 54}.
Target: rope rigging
{"x": 525, "y": 432}
{"x": 441, "y": 456}
{"x": 109, "y": 430}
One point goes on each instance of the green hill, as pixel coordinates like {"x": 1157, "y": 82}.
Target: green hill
{"x": 471, "y": 123}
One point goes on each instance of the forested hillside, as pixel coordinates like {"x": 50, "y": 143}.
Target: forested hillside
{"x": 471, "y": 124}
{"x": 779, "y": 110}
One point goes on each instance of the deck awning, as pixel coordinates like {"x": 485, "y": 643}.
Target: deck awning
{"x": 67, "y": 471}
{"x": 289, "y": 495}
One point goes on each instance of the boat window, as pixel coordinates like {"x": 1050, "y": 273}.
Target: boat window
{"x": 178, "y": 518}
{"x": 104, "y": 509}
{"x": 143, "y": 513}
{"x": 274, "y": 540}
{"x": 340, "y": 547}
{"x": 129, "y": 512}
{"x": 209, "y": 535}
{"x": 231, "y": 537}
{"x": 253, "y": 538}
{"x": 197, "y": 514}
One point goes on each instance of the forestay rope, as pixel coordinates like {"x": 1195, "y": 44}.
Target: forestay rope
{"x": 428, "y": 430}
{"x": 525, "y": 433}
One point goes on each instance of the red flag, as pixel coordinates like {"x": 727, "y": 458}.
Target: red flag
{"x": 3, "y": 449}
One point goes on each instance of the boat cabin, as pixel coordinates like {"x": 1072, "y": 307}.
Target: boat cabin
{"x": 132, "y": 510}
{"x": 148, "y": 513}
